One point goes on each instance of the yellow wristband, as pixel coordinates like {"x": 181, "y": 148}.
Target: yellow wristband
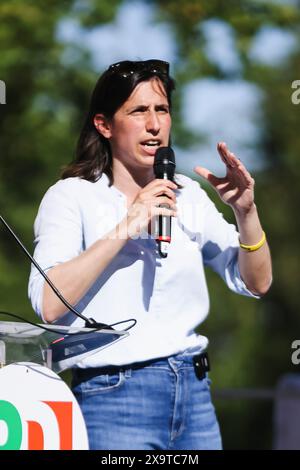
{"x": 254, "y": 247}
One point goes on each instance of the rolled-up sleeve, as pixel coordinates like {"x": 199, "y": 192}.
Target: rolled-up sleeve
{"x": 57, "y": 235}
{"x": 220, "y": 246}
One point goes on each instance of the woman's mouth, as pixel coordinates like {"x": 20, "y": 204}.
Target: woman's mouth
{"x": 150, "y": 146}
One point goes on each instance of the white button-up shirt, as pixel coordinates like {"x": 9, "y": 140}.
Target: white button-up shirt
{"x": 167, "y": 296}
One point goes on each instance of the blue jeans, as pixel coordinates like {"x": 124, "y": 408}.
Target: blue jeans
{"x": 162, "y": 406}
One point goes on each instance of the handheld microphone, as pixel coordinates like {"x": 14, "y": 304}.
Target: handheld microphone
{"x": 164, "y": 168}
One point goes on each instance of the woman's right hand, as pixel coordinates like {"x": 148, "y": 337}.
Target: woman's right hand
{"x": 146, "y": 205}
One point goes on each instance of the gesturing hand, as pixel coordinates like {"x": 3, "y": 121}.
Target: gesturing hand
{"x": 236, "y": 188}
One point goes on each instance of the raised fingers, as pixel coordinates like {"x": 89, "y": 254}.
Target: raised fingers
{"x": 235, "y": 164}
{"x": 230, "y": 160}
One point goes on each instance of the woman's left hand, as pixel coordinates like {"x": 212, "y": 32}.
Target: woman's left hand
{"x": 235, "y": 189}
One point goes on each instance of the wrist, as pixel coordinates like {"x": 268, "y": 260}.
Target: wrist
{"x": 256, "y": 246}
{"x": 124, "y": 229}
{"x": 243, "y": 212}
{"x": 120, "y": 232}
{"x": 130, "y": 228}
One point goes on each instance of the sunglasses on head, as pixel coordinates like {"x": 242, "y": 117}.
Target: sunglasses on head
{"x": 128, "y": 67}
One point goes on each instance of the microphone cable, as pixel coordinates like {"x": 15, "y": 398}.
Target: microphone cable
{"x": 89, "y": 322}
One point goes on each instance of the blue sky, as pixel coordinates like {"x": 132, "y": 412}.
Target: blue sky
{"x": 220, "y": 109}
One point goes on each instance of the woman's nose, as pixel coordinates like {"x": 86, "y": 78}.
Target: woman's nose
{"x": 152, "y": 123}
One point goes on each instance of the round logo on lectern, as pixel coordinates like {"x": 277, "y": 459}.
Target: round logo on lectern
{"x": 38, "y": 411}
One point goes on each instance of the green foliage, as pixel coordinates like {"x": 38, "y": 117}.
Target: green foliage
{"x": 46, "y": 101}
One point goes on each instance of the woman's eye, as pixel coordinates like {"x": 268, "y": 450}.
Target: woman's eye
{"x": 163, "y": 109}
{"x": 139, "y": 110}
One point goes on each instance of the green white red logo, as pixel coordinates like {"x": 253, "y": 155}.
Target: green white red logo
{"x": 12, "y": 427}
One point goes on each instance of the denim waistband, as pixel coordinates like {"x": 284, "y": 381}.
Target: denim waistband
{"x": 185, "y": 359}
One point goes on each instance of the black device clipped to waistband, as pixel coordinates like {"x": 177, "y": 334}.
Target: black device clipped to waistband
{"x": 201, "y": 365}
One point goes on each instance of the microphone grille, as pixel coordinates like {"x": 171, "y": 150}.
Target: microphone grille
{"x": 164, "y": 153}
{"x": 164, "y": 163}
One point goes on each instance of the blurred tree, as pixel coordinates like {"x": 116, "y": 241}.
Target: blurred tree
{"x": 46, "y": 100}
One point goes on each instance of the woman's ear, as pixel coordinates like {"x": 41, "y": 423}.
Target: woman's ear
{"x": 102, "y": 125}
